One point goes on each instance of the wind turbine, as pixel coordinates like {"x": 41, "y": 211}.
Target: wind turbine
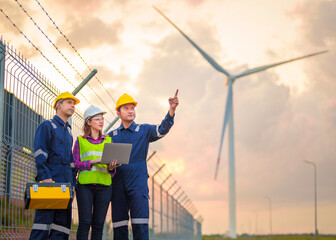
{"x": 228, "y": 118}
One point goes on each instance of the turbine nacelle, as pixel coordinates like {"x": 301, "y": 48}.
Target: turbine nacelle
{"x": 227, "y": 81}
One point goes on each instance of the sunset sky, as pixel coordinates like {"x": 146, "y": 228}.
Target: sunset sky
{"x": 282, "y": 116}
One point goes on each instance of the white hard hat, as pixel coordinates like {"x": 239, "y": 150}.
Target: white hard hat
{"x": 92, "y": 111}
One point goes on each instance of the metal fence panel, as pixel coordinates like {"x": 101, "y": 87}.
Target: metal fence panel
{"x": 26, "y": 99}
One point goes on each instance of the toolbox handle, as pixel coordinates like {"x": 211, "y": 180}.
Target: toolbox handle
{"x": 35, "y": 187}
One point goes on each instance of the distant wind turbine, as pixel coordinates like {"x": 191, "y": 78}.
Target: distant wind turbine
{"x": 228, "y": 118}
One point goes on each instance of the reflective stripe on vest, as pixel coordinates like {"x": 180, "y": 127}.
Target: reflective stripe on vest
{"x": 91, "y": 153}
{"x": 98, "y": 174}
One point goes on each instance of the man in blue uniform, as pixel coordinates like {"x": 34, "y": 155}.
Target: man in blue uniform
{"x": 54, "y": 162}
{"x": 129, "y": 185}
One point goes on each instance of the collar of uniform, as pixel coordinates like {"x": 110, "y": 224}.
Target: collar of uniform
{"x": 89, "y": 137}
{"x": 58, "y": 119}
{"x": 132, "y": 127}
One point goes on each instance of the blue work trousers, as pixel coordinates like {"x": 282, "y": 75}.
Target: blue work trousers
{"x": 93, "y": 201}
{"x": 53, "y": 224}
{"x": 133, "y": 200}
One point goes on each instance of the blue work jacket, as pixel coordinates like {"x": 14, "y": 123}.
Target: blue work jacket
{"x": 139, "y": 135}
{"x": 53, "y": 151}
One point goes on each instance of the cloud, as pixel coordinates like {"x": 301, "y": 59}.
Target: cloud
{"x": 29, "y": 51}
{"x": 15, "y": 14}
{"x": 90, "y": 25}
{"x": 331, "y": 109}
{"x": 318, "y": 30}
{"x": 76, "y": 7}
{"x": 90, "y": 8}
{"x": 318, "y": 18}
{"x": 274, "y": 130}
{"x": 174, "y": 55}
{"x": 194, "y": 2}
{"x": 92, "y": 32}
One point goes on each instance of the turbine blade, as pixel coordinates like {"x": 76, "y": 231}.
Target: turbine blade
{"x": 204, "y": 54}
{"x": 262, "y": 68}
{"x": 228, "y": 111}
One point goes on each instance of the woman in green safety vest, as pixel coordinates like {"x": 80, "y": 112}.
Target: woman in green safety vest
{"x": 94, "y": 189}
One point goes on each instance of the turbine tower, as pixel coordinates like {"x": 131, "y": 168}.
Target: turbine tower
{"x": 228, "y": 118}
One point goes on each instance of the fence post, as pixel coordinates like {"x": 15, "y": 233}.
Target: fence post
{"x": 153, "y": 202}
{"x": 174, "y": 217}
{"x": 150, "y": 156}
{"x": 186, "y": 215}
{"x": 161, "y": 208}
{"x": 84, "y": 82}
{"x": 10, "y": 143}
{"x": 2, "y": 92}
{"x": 168, "y": 201}
{"x": 179, "y": 226}
{"x": 175, "y": 224}
{"x": 81, "y": 85}
{"x": 171, "y": 200}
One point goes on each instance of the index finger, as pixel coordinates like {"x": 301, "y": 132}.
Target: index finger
{"x": 176, "y": 93}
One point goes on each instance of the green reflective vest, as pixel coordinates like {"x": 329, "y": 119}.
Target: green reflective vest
{"x": 99, "y": 173}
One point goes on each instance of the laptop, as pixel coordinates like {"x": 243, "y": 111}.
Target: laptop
{"x": 116, "y": 151}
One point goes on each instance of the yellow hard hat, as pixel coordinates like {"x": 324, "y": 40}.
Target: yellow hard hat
{"x": 124, "y": 99}
{"x": 65, "y": 95}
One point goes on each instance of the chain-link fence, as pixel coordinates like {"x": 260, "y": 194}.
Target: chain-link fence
{"x": 26, "y": 99}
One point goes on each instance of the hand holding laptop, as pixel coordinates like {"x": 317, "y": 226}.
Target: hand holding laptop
{"x": 113, "y": 164}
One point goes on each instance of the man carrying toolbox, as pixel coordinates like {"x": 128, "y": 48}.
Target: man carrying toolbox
{"x": 54, "y": 163}
{"x": 129, "y": 185}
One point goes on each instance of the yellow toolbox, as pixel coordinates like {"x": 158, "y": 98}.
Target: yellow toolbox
{"x": 48, "y": 195}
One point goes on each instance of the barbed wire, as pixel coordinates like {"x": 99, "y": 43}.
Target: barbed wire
{"x": 45, "y": 57}
{"x": 59, "y": 51}
{"x": 73, "y": 47}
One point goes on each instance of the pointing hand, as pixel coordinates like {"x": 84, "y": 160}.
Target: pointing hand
{"x": 173, "y": 102}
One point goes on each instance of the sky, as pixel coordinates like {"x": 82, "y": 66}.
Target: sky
{"x": 282, "y": 116}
